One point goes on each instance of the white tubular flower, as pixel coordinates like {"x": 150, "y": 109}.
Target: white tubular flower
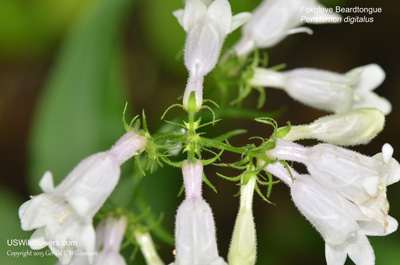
{"x": 192, "y": 179}
{"x": 244, "y": 244}
{"x": 112, "y": 235}
{"x": 109, "y": 235}
{"x": 195, "y": 238}
{"x": 351, "y": 128}
{"x": 64, "y": 213}
{"x": 147, "y": 247}
{"x": 359, "y": 178}
{"x": 207, "y": 26}
{"x": 273, "y": 20}
{"x": 339, "y": 221}
{"x": 327, "y": 90}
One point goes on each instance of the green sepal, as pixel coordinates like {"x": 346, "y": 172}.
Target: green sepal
{"x": 288, "y": 169}
{"x": 181, "y": 190}
{"x": 283, "y": 131}
{"x": 209, "y": 183}
{"x": 230, "y": 134}
{"x": 127, "y": 127}
{"x": 192, "y": 105}
{"x": 229, "y": 178}
{"x": 139, "y": 166}
{"x": 246, "y": 176}
{"x": 174, "y": 164}
{"x": 260, "y": 194}
{"x": 212, "y": 160}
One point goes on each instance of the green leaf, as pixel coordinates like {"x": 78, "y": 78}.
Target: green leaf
{"x": 209, "y": 183}
{"x": 79, "y": 111}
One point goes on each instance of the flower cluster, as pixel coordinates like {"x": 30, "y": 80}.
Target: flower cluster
{"x": 343, "y": 194}
{"x": 207, "y": 25}
{"x": 340, "y": 222}
{"x": 65, "y": 213}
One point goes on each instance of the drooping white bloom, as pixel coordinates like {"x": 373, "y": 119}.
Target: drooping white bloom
{"x": 244, "y": 244}
{"x": 109, "y": 235}
{"x": 350, "y": 128}
{"x": 147, "y": 247}
{"x": 273, "y": 20}
{"x": 361, "y": 179}
{"x": 64, "y": 213}
{"x": 207, "y": 27}
{"x": 113, "y": 233}
{"x": 327, "y": 90}
{"x": 339, "y": 221}
{"x": 195, "y": 238}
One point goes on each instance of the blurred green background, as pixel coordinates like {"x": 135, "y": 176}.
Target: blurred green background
{"x": 68, "y": 66}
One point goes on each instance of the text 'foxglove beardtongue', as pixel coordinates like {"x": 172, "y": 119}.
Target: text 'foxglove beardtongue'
{"x": 338, "y": 220}
{"x": 207, "y": 28}
{"x": 195, "y": 238}
{"x": 243, "y": 245}
{"x": 64, "y": 213}
{"x": 273, "y": 20}
{"x": 147, "y": 248}
{"x": 351, "y": 128}
{"x": 327, "y": 90}
{"x": 359, "y": 178}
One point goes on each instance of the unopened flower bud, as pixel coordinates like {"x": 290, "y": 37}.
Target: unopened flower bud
{"x": 243, "y": 245}
{"x": 350, "y": 128}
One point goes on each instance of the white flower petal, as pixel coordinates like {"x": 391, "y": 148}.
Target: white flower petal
{"x": 40, "y": 210}
{"x": 85, "y": 236}
{"x": 299, "y": 30}
{"x": 320, "y": 89}
{"x": 361, "y": 252}
{"x": 195, "y": 13}
{"x": 81, "y": 205}
{"x": 371, "y": 184}
{"x": 272, "y": 21}
{"x": 220, "y": 11}
{"x": 372, "y": 228}
{"x": 195, "y": 237}
{"x": 179, "y": 15}
{"x": 47, "y": 183}
{"x": 240, "y": 19}
{"x": 91, "y": 181}
{"x": 330, "y": 213}
{"x": 38, "y": 239}
{"x": 387, "y": 152}
{"x": 109, "y": 258}
{"x": 335, "y": 255}
{"x": 372, "y": 76}
{"x": 202, "y": 49}
{"x": 368, "y": 99}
